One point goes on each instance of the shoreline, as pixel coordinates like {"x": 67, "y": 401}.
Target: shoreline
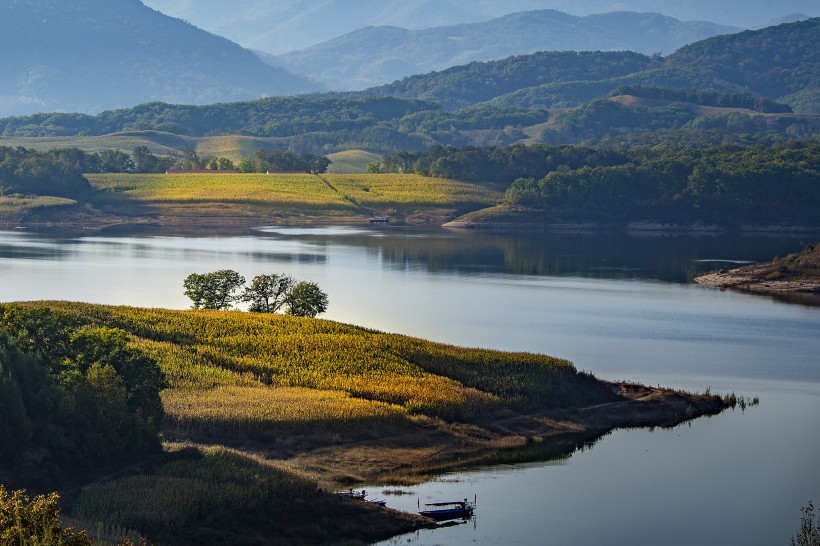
{"x": 412, "y": 458}
{"x": 794, "y": 277}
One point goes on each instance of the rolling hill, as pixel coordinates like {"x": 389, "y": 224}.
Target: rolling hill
{"x": 377, "y": 55}
{"x": 101, "y": 54}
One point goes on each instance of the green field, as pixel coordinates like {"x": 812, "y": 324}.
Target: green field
{"x": 284, "y": 198}
{"x": 234, "y": 147}
{"x": 351, "y": 161}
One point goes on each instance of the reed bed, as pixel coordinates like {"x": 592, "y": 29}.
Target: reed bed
{"x": 192, "y": 489}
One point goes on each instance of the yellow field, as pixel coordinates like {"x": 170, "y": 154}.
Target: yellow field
{"x": 261, "y": 368}
{"x": 382, "y": 191}
{"x": 286, "y": 197}
{"x": 301, "y": 190}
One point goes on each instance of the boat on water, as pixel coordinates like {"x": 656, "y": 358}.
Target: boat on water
{"x": 379, "y": 219}
{"x": 442, "y": 511}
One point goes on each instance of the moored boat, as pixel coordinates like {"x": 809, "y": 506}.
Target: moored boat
{"x": 442, "y": 511}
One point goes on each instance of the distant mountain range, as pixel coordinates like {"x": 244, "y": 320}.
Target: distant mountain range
{"x": 378, "y": 55}
{"x": 723, "y": 89}
{"x": 95, "y": 55}
{"x": 281, "y": 26}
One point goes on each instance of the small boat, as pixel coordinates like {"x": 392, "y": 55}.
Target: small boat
{"x": 351, "y": 494}
{"x": 379, "y": 219}
{"x": 442, "y": 511}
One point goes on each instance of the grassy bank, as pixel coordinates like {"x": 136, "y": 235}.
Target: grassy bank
{"x": 266, "y": 413}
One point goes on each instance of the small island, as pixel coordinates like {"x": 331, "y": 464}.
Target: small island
{"x": 796, "y": 274}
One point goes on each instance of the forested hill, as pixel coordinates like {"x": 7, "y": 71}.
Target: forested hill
{"x": 94, "y": 55}
{"x": 781, "y": 62}
{"x": 465, "y": 85}
{"x": 376, "y": 55}
{"x": 761, "y": 66}
{"x": 773, "y": 62}
{"x": 273, "y": 116}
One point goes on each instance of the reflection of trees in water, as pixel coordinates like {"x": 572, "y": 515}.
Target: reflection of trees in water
{"x": 552, "y": 450}
{"x": 667, "y": 257}
{"x": 671, "y": 257}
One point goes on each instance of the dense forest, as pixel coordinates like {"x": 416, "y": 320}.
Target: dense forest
{"x": 722, "y": 184}
{"x": 72, "y": 400}
{"x": 57, "y": 172}
{"x": 466, "y": 85}
{"x": 276, "y": 116}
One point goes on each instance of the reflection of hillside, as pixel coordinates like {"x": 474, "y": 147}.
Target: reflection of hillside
{"x": 665, "y": 257}
{"x": 672, "y": 258}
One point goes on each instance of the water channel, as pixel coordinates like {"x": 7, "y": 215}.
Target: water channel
{"x": 621, "y": 306}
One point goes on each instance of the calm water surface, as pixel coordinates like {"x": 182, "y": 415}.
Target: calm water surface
{"x": 622, "y": 307}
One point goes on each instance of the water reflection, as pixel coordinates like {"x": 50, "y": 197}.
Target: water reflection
{"x": 615, "y": 304}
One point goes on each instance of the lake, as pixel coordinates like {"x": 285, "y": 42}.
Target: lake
{"x": 621, "y": 306}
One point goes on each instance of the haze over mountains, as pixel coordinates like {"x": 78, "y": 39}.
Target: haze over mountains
{"x": 105, "y": 54}
{"x": 378, "y": 55}
{"x": 99, "y": 54}
{"x": 281, "y": 26}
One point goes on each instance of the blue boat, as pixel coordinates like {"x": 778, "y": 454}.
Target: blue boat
{"x": 443, "y": 511}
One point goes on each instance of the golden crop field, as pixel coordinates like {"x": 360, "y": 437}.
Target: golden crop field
{"x": 302, "y": 196}
{"x": 406, "y": 192}
{"x": 263, "y": 369}
{"x": 285, "y": 189}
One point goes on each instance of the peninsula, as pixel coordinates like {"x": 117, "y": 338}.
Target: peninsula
{"x": 796, "y": 274}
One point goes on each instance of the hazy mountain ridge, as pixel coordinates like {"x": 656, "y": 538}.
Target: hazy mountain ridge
{"x": 377, "y": 55}
{"x": 732, "y": 102}
{"x": 280, "y": 26}
{"x": 102, "y": 54}
{"x": 788, "y": 70}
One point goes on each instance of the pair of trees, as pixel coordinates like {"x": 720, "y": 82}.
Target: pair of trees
{"x": 266, "y": 293}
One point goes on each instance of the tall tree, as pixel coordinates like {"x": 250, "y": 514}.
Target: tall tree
{"x": 268, "y": 293}
{"x": 307, "y": 300}
{"x": 216, "y": 290}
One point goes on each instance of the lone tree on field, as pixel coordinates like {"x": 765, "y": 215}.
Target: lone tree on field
{"x": 306, "y": 300}
{"x": 216, "y": 290}
{"x": 268, "y": 293}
